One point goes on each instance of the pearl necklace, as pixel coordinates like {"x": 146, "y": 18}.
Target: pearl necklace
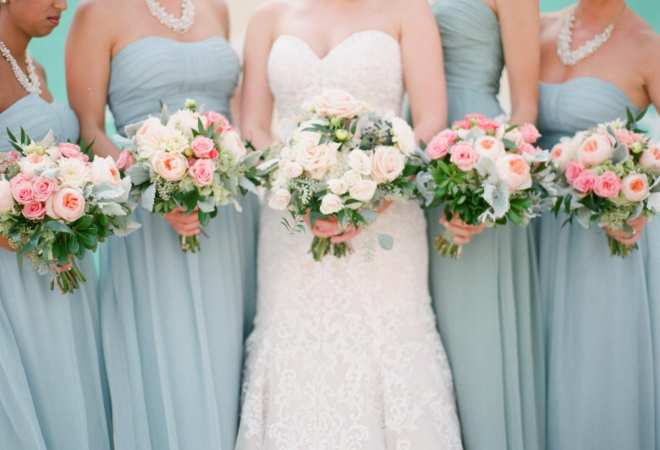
{"x": 30, "y": 82}
{"x": 565, "y": 41}
{"x": 178, "y": 24}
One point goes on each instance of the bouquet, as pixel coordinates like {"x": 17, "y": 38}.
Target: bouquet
{"x": 190, "y": 160}
{"x": 484, "y": 172}
{"x": 609, "y": 176}
{"x": 343, "y": 164}
{"x": 55, "y": 205}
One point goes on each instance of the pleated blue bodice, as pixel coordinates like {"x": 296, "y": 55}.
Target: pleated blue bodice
{"x": 37, "y": 117}
{"x": 154, "y": 71}
{"x": 472, "y": 47}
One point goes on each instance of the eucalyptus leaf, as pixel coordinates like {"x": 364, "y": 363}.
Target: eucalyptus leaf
{"x": 139, "y": 174}
{"x": 386, "y": 241}
{"x": 149, "y": 198}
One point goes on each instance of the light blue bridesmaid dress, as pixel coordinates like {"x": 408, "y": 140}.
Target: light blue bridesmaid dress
{"x": 601, "y": 318}
{"x": 173, "y": 322}
{"x": 53, "y": 394}
{"x": 486, "y": 301}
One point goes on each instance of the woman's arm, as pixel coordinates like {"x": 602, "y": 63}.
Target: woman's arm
{"x": 520, "y": 25}
{"x": 88, "y": 56}
{"x": 423, "y": 68}
{"x": 256, "y": 97}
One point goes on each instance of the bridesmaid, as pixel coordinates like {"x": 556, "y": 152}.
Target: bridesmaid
{"x": 172, "y": 322}
{"x": 602, "y": 318}
{"x": 52, "y": 390}
{"x": 487, "y": 325}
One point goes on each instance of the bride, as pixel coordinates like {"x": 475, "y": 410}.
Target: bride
{"x": 345, "y": 354}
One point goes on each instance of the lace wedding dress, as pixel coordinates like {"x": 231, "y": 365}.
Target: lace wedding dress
{"x": 345, "y": 354}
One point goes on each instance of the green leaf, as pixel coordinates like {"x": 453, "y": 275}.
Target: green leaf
{"x": 58, "y": 227}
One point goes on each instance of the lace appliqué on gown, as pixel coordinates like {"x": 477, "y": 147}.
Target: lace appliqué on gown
{"x": 345, "y": 354}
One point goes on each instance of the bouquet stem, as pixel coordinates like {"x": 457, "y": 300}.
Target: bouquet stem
{"x": 619, "y": 249}
{"x": 68, "y": 280}
{"x": 321, "y": 247}
{"x": 189, "y": 243}
{"x": 444, "y": 244}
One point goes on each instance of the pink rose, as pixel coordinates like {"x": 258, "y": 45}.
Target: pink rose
{"x": 42, "y": 188}
{"x": 68, "y": 204}
{"x": 337, "y": 103}
{"x": 388, "y": 163}
{"x": 627, "y": 137}
{"x": 529, "y": 133}
{"x": 439, "y": 145}
{"x": 21, "y": 189}
{"x": 202, "y": 172}
{"x": 635, "y": 187}
{"x": 464, "y": 156}
{"x": 6, "y": 198}
{"x": 514, "y": 171}
{"x": 204, "y": 147}
{"x": 171, "y": 166}
{"x": 585, "y": 182}
{"x": 487, "y": 124}
{"x": 125, "y": 160}
{"x": 218, "y": 121}
{"x": 608, "y": 185}
{"x": 528, "y": 148}
{"x": 72, "y": 151}
{"x": 34, "y": 211}
{"x": 573, "y": 170}
{"x": 595, "y": 150}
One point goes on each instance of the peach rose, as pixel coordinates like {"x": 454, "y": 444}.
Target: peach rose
{"x": 651, "y": 159}
{"x": 595, "y": 150}
{"x": 490, "y": 147}
{"x": 635, "y": 187}
{"x": 514, "y": 171}
{"x": 68, "y": 204}
{"x": 170, "y": 166}
{"x": 104, "y": 170}
{"x": 68, "y": 150}
{"x": 608, "y": 185}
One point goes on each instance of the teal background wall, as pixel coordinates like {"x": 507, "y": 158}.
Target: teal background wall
{"x": 49, "y": 51}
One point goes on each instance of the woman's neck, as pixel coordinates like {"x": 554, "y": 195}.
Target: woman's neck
{"x": 15, "y": 39}
{"x": 598, "y": 14}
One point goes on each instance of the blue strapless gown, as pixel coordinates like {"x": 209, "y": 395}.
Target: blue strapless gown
{"x": 53, "y": 394}
{"x": 487, "y": 301}
{"x": 173, "y": 322}
{"x": 602, "y": 334}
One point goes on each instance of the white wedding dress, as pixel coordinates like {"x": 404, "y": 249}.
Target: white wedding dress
{"x": 345, "y": 354}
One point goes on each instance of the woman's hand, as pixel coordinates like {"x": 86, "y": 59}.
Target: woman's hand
{"x": 626, "y": 238}
{"x": 330, "y": 228}
{"x": 184, "y": 224}
{"x": 462, "y": 232}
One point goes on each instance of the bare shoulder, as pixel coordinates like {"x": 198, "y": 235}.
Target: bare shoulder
{"x": 408, "y": 7}
{"x": 92, "y": 10}
{"x": 267, "y": 17}
{"x": 221, "y": 9}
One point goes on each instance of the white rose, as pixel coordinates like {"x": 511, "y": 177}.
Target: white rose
{"x": 595, "y": 150}
{"x": 150, "y": 134}
{"x": 73, "y": 172}
{"x": 279, "y": 199}
{"x": 350, "y": 178}
{"x": 360, "y": 162}
{"x": 54, "y": 153}
{"x": 651, "y": 158}
{"x": 331, "y": 204}
{"x": 304, "y": 139}
{"x": 184, "y": 121}
{"x": 405, "y": 136}
{"x": 388, "y": 164}
{"x": 104, "y": 170}
{"x": 363, "y": 190}
{"x": 515, "y": 136}
{"x": 490, "y": 147}
{"x": 318, "y": 160}
{"x": 291, "y": 169}
{"x": 34, "y": 163}
{"x": 6, "y": 199}
{"x": 338, "y": 186}
{"x": 514, "y": 172}
{"x": 231, "y": 141}
{"x": 635, "y": 187}
{"x": 336, "y": 103}
{"x": 562, "y": 153}
{"x": 287, "y": 154}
